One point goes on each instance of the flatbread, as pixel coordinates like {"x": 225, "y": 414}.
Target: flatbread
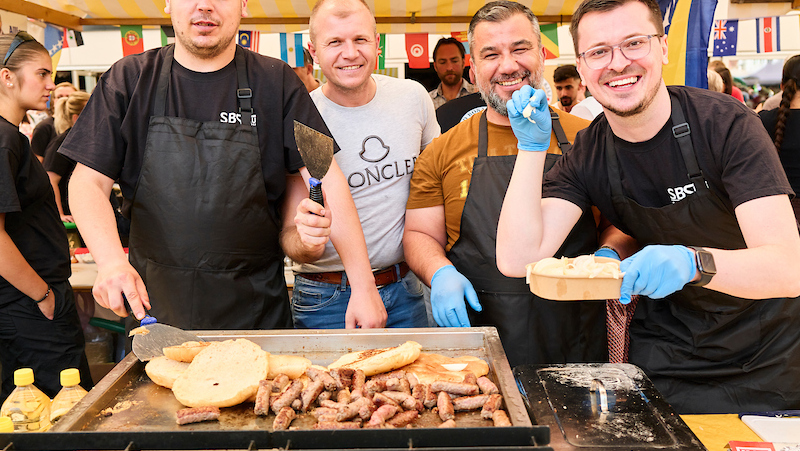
{"x": 376, "y": 361}
{"x": 429, "y": 367}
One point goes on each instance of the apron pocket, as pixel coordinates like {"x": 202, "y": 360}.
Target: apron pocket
{"x": 171, "y": 293}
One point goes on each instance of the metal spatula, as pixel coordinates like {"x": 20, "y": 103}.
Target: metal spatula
{"x": 149, "y": 345}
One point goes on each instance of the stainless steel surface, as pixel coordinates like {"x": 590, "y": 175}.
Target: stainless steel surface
{"x": 315, "y": 148}
{"x": 603, "y": 407}
{"x": 150, "y": 345}
{"x": 137, "y": 404}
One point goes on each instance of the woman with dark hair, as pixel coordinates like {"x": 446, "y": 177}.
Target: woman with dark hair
{"x": 39, "y": 324}
{"x": 783, "y": 125}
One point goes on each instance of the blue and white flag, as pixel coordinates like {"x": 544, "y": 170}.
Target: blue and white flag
{"x": 726, "y": 33}
{"x": 292, "y": 49}
{"x": 54, "y": 42}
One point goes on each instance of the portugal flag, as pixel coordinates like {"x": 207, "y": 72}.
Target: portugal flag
{"x": 131, "y": 39}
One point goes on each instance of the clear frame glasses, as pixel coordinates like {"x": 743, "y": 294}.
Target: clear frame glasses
{"x": 19, "y": 38}
{"x": 633, "y": 48}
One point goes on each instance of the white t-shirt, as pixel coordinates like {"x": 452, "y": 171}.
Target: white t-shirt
{"x": 587, "y": 108}
{"x": 379, "y": 143}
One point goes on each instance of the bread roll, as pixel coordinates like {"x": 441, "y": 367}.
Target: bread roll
{"x": 293, "y": 366}
{"x": 376, "y": 361}
{"x": 163, "y": 371}
{"x": 224, "y": 374}
{"x": 185, "y": 352}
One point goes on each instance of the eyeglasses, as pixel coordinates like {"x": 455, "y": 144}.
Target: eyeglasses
{"x": 18, "y": 39}
{"x": 633, "y": 48}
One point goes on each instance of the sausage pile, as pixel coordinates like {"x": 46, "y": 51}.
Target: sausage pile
{"x": 343, "y": 398}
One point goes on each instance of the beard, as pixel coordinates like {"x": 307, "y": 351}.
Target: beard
{"x": 205, "y": 51}
{"x": 566, "y": 101}
{"x": 493, "y": 99}
{"x": 641, "y": 106}
{"x": 452, "y": 79}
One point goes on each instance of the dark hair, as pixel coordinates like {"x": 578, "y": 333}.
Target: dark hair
{"x": 600, "y": 6}
{"x": 727, "y": 79}
{"x": 26, "y": 51}
{"x": 307, "y": 60}
{"x": 565, "y": 72}
{"x": 789, "y": 82}
{"x": 499, "y": 11}
{"x": 449, "y": 41}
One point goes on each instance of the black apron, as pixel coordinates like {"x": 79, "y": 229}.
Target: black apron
{"x": 203, "y": 236}
{"x": 707, "y": 352}
{"x": 532, "y": 330}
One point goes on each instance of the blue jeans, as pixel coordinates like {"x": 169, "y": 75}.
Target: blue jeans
{"x": 319, "y": 305}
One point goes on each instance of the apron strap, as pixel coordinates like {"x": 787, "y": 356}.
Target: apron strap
{"x": 483, "y": 136}
{"x": 160, "y": 107}
{"x": 244, "y": 94}
{"x": 561, "y": 137}
{"x": 681, "y": 131}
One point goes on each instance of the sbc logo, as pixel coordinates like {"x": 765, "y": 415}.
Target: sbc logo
{"x": 679, "y": 193}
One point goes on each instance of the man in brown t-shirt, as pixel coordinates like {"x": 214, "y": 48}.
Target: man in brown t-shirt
{"x": 456, "y": 194}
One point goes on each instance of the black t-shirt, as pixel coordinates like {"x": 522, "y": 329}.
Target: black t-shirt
{"x": 32, "y": 219}
{"x": 454, "y": 111}
{"x": 733, "y": 150}
{"x": 790, "y": 148}
{"x": 43, "y": 134}
{"x": 61, "y": 165}
{"x": 111, "y": 132}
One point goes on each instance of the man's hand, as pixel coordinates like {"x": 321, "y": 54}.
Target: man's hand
{"x": 118, "y": 279}
{"x": 365, "y": 309}
{"x": 532, "y": 127}
{"x": 48, "y": 306}
{"x": 313, "y": 223}
{"x": 449, "y": 288}
{"x": 657, "y": 271}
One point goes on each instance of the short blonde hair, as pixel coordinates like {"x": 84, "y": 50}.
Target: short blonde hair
{"x": 715, "y": 81}
{"x": 66, "y": 107}
{"x": 340, "y": 12}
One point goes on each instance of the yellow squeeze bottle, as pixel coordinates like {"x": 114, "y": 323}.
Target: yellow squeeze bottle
{"x": 69, "y": 395}
{"x": 27, "y": 406}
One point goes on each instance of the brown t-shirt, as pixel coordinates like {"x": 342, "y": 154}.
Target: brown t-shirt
{"x": 444, "y": 169}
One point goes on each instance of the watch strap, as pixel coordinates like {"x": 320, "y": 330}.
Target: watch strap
{"x": 705, "y": 277}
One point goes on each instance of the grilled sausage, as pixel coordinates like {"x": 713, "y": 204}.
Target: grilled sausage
{"x": 381, "y": 414}
{"x": 288, "y": 396}
{"x": 324, "y": 396}
{"x": 262, "y": 398}
{"x": 310, "y": 394}
{"x": 373, "y": 386}
{"x": 343, "y": 397}
{"x": 343, "y": 377}
{"x": 500, "y": 418}
{"x": 404, "y": 399}
{"x": 430, "y": 398}
{"x": 280, "y": 382}
{"x": 314, "y": 374}
{"x": 351, "y": 410}
{"x": 445, "y": 406}
{"x": 491, "y": 406}
{"x": 283, "y": 419}
{"x": 379, "y": 399}
{"x": 470, "y": 378}
{"x": 487, "y": 386}
{"x": 470, "y": 402}
{"x": 398, "y": 374}
{"x": 403, "y": 419}
{"x": 448, "y": 424}
{"x": 456, "y": 388}
{"x": 197, "y": 414}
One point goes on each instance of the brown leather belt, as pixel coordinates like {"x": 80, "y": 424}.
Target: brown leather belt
{"x": 384, "y": 276}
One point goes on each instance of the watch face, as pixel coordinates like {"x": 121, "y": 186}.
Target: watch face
{"x": 707, "y": 262}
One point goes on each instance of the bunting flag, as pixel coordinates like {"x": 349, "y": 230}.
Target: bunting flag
{"x": 768, "y": 35}
{"x": 688, "y": 27}
{"x": 167, "y": 35}
{"x": 249, "y": 39}
{"x": 550, "y": 40}
{"x": 292, "y": 49}
{"x": 72, "y": 38}
{"x": 726, "y": 33}
{"x": 380, "y": 63}
{"x": 54, "y": 42}
{"x": 417, "y": 50}
{"x": 461, "y": 36}
{"x": 132, "y": 42}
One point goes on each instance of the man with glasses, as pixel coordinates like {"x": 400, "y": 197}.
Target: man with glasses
{"x": 693, "y": 178}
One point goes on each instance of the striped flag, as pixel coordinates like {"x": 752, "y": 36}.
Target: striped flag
{"x": 292, "y": 49}
{"x": 72, "y": 38}
{"x": 167, "y": 35}
{"x": 380, "y": 63}
{"x": 249, "y": 39}
{"x": 550, "y": 40}
{"x": 688, "y": 27}
{"x": 768, "y": 35}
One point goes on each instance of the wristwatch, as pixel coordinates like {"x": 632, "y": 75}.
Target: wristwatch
{"x": 705, "y": 264}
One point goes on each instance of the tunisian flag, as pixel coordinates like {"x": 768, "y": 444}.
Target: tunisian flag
{"x": 417, "y": 50}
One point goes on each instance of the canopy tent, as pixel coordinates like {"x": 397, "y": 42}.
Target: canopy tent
{"x": 392, "y": 16}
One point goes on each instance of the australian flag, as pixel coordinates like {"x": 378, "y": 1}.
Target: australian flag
{"x": 725, "y": 33}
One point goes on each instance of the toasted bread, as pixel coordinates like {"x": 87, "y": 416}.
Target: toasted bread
{"x": 293, "y": 366}
{"x": 376, "y": 361}
{"x": 224, "y": 374}
{"x": 163, "y": 371}
{"x": 185, "y": 352}
{"x": 434, "y": 367}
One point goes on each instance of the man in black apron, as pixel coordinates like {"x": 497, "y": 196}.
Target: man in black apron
{"x": 470, "y": 166}
{"x": 200, "y": 136}
{"x": 692, "y": 177}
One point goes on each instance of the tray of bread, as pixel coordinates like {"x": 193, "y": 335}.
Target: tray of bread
{"x": 308, "y": 380}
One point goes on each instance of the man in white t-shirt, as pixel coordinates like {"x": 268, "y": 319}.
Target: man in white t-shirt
{"x": 381, "y": 124}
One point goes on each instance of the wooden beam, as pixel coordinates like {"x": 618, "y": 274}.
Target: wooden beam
{"x": 795, "y": 4}
{"x": 42, "y": 13}
{"x": 304, "y": 20}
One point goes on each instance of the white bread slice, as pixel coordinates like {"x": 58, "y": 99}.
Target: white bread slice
{"x": 185, "y": 352}
{"x": 163, "y": 371}
{"x": 376, "y": 361}
{"x": 224, "y": 374}
{"x": 293, "y": 366}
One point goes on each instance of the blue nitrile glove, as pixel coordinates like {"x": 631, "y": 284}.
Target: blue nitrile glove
{"x": 607, "y": 252}
{"x": 531, "y": 136}
{"x": 656, "y": 271}
{"x": 449, "y": 288}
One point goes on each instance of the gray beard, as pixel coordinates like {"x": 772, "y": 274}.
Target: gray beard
{"x": 495, "y": 102}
